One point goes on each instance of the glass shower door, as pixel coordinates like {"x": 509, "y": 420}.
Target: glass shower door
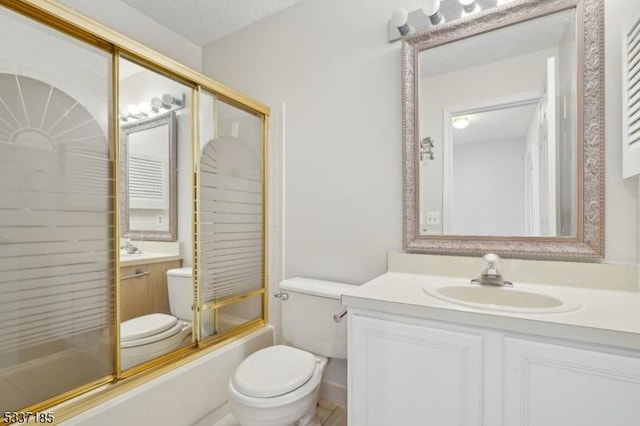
{"x": 56, "y": 214}
{"x": 231, "y": 209}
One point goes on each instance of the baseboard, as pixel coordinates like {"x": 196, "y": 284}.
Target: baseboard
{"x": 333, "y": 392}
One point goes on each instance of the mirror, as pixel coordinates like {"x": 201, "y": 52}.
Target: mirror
{"x": 503, "y": 133}
{"x": 148, "y": 179}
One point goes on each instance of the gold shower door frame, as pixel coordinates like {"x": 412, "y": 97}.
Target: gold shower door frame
{"x": 70, "y": 22}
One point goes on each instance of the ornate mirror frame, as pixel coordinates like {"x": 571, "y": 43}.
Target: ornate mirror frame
{"x": 168, "y": 119}
{"x": 588, "y": 244}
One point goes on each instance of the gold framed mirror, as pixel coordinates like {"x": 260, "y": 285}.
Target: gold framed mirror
{"x": 503, "y": 132}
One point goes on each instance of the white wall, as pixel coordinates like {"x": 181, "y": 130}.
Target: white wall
{"x": 488, "y": 181}
{"x": 127, "y": 20}
{"x": 622, "y": 219}
{"x": 331, "y": 63}
{"x": 340, "y": 80}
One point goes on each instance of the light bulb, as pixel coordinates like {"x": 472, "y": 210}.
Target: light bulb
{"x": 399, "y": 20}
{"x": 431, "y": 7}
{"x": 432, "y": 10}
{"x": 167, "y": 100}
{"x": 133, "y": 110}
{"x": 145, "y": 107}
{"x": 469, "y": 6}
{"x": 400, "y": 17}
{"x": 156, "y": 104}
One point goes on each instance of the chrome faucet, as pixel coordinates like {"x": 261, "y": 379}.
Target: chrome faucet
{"x": 490, "y": 274}
{"x": 130, "y": 248}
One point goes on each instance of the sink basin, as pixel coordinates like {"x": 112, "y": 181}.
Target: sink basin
{"x": 506, "y": 299}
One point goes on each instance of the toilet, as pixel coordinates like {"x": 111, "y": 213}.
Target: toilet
{"x": 280, "y": 385}
{"x": 150, "y": 336}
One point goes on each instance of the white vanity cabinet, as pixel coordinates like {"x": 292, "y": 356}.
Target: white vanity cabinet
{"x": 411, "y": 371}
{"x": 411, "y": 374}
{"x": 550, "y": 384}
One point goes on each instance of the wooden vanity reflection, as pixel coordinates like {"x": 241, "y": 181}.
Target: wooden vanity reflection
{"x": 143, "y": 288}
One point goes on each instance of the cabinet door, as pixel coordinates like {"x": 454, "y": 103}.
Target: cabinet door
{"x": 404, "y": 374}
{"x": 552, "y": 385}
{"x": 143, "y": 289}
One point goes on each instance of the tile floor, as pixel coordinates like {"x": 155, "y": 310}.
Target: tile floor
{"x": 327, "y": 414}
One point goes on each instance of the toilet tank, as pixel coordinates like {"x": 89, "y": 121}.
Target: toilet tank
{"x": 180, "y": 287}
{"x": 307, "y": 316}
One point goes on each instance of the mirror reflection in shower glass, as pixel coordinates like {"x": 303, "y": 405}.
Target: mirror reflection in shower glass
{"x": 156, "y": 284}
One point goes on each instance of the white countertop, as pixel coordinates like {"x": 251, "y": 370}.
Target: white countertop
{"x": 147, "y": 257}
{"x": 608, "y": 317}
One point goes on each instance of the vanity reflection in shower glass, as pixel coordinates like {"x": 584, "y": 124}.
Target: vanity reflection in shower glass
{"x": 500, "y": 112}
{"x": 156, "y": 285}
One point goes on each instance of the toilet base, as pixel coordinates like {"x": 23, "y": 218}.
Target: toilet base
{"x": 299, "y": 413}
{"x": 297, "y": 408}
{"x": 309, "y": 418}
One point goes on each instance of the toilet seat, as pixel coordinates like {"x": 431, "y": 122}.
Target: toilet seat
{"x": 148, "y": 329}
{"x": 273, "y": 371}
{"x": 137, "y": 351}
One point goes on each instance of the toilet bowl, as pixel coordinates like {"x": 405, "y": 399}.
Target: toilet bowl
{"x": 150, "y": 336}
{"x": 280, "y": 385}
{"x": 284, "y": 394}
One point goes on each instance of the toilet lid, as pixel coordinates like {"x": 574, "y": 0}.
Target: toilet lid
{"x": 146, "y": 325}
{"x": 273, "y": 371}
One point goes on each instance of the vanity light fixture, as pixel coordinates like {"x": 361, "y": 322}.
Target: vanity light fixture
{"x": 469, "y": 6}
{"x": 145, "y": 108}
{"x": 432, "y": 10}
{"x": 433, "y": 13}
{"x": 124, "y": 114}
{"x": 400, "y": 19}
{"x": 157, "y": 105}
{"x": 133, "y": 110}
{"x": 168, "y": 100}
{"x": 460, "y": 122}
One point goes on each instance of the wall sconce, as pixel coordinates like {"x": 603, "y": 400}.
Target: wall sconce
{"x": 426, "y": 148}
{"x": 435, "y": 12}
{"x": 155, "y": 106}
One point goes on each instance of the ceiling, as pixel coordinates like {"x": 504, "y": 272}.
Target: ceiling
{"x": 205, "y": 21}
{"x": 510, "y": 122}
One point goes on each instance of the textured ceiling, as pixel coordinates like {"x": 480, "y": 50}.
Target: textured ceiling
{"x": 204, "y": 21}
